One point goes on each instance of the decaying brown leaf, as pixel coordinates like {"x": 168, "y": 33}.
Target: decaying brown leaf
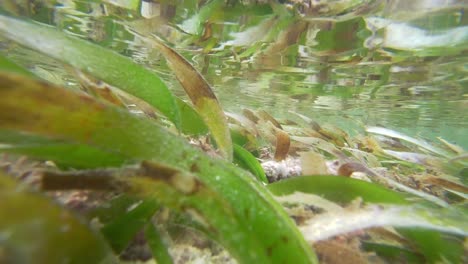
{"x": 455, "y": 148}
{"x": 350, "y": 167}
{"x": 340, "y": 252}
{"x": 319, "y": 144}
{"x": 282, "y": 144}
{"x": 446, "y": 184}
{"x": 97, "y": 88}
{"x": 250, "y": 115}
{"x": 268, "y": 118}
{"x": 334, "y": 134}
{"x": 199, "y": 92}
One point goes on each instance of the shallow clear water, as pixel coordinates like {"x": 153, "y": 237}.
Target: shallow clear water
{"x": 398, "y": 64}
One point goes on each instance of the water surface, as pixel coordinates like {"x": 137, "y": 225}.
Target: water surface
{"x": 398, "y": 64}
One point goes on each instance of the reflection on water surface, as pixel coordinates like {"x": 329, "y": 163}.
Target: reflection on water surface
{"x": 399, "y": 64}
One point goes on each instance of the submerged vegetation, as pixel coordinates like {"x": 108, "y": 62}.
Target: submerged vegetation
{"x": 107, "y": 164}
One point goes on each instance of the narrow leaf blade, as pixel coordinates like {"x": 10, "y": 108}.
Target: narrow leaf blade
{"x": 158, "y": 248}
{"x": 337, "y": 189}
{"x": 96, "y": 60}
{"x": 248, "y": 161}
{"x": 64, "y": 154}
{"x": 123, "y": 229}
{"x": 201, "y": 94}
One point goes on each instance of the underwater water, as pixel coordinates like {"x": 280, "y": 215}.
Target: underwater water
{"x": 398, "y": 64}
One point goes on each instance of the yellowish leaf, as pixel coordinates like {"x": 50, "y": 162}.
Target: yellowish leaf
{"x": 200, "y": 93}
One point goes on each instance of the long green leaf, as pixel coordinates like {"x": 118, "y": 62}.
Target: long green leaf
{"x": 338, "y": 189}
{"x": 64, "y": 154}
{"x": 123, "y": 229}
{"x": 158, "y": 248}
{"x": 59, "y": 113}
{"x": 248, "y": 161}
{"x": 96, "y": 60}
